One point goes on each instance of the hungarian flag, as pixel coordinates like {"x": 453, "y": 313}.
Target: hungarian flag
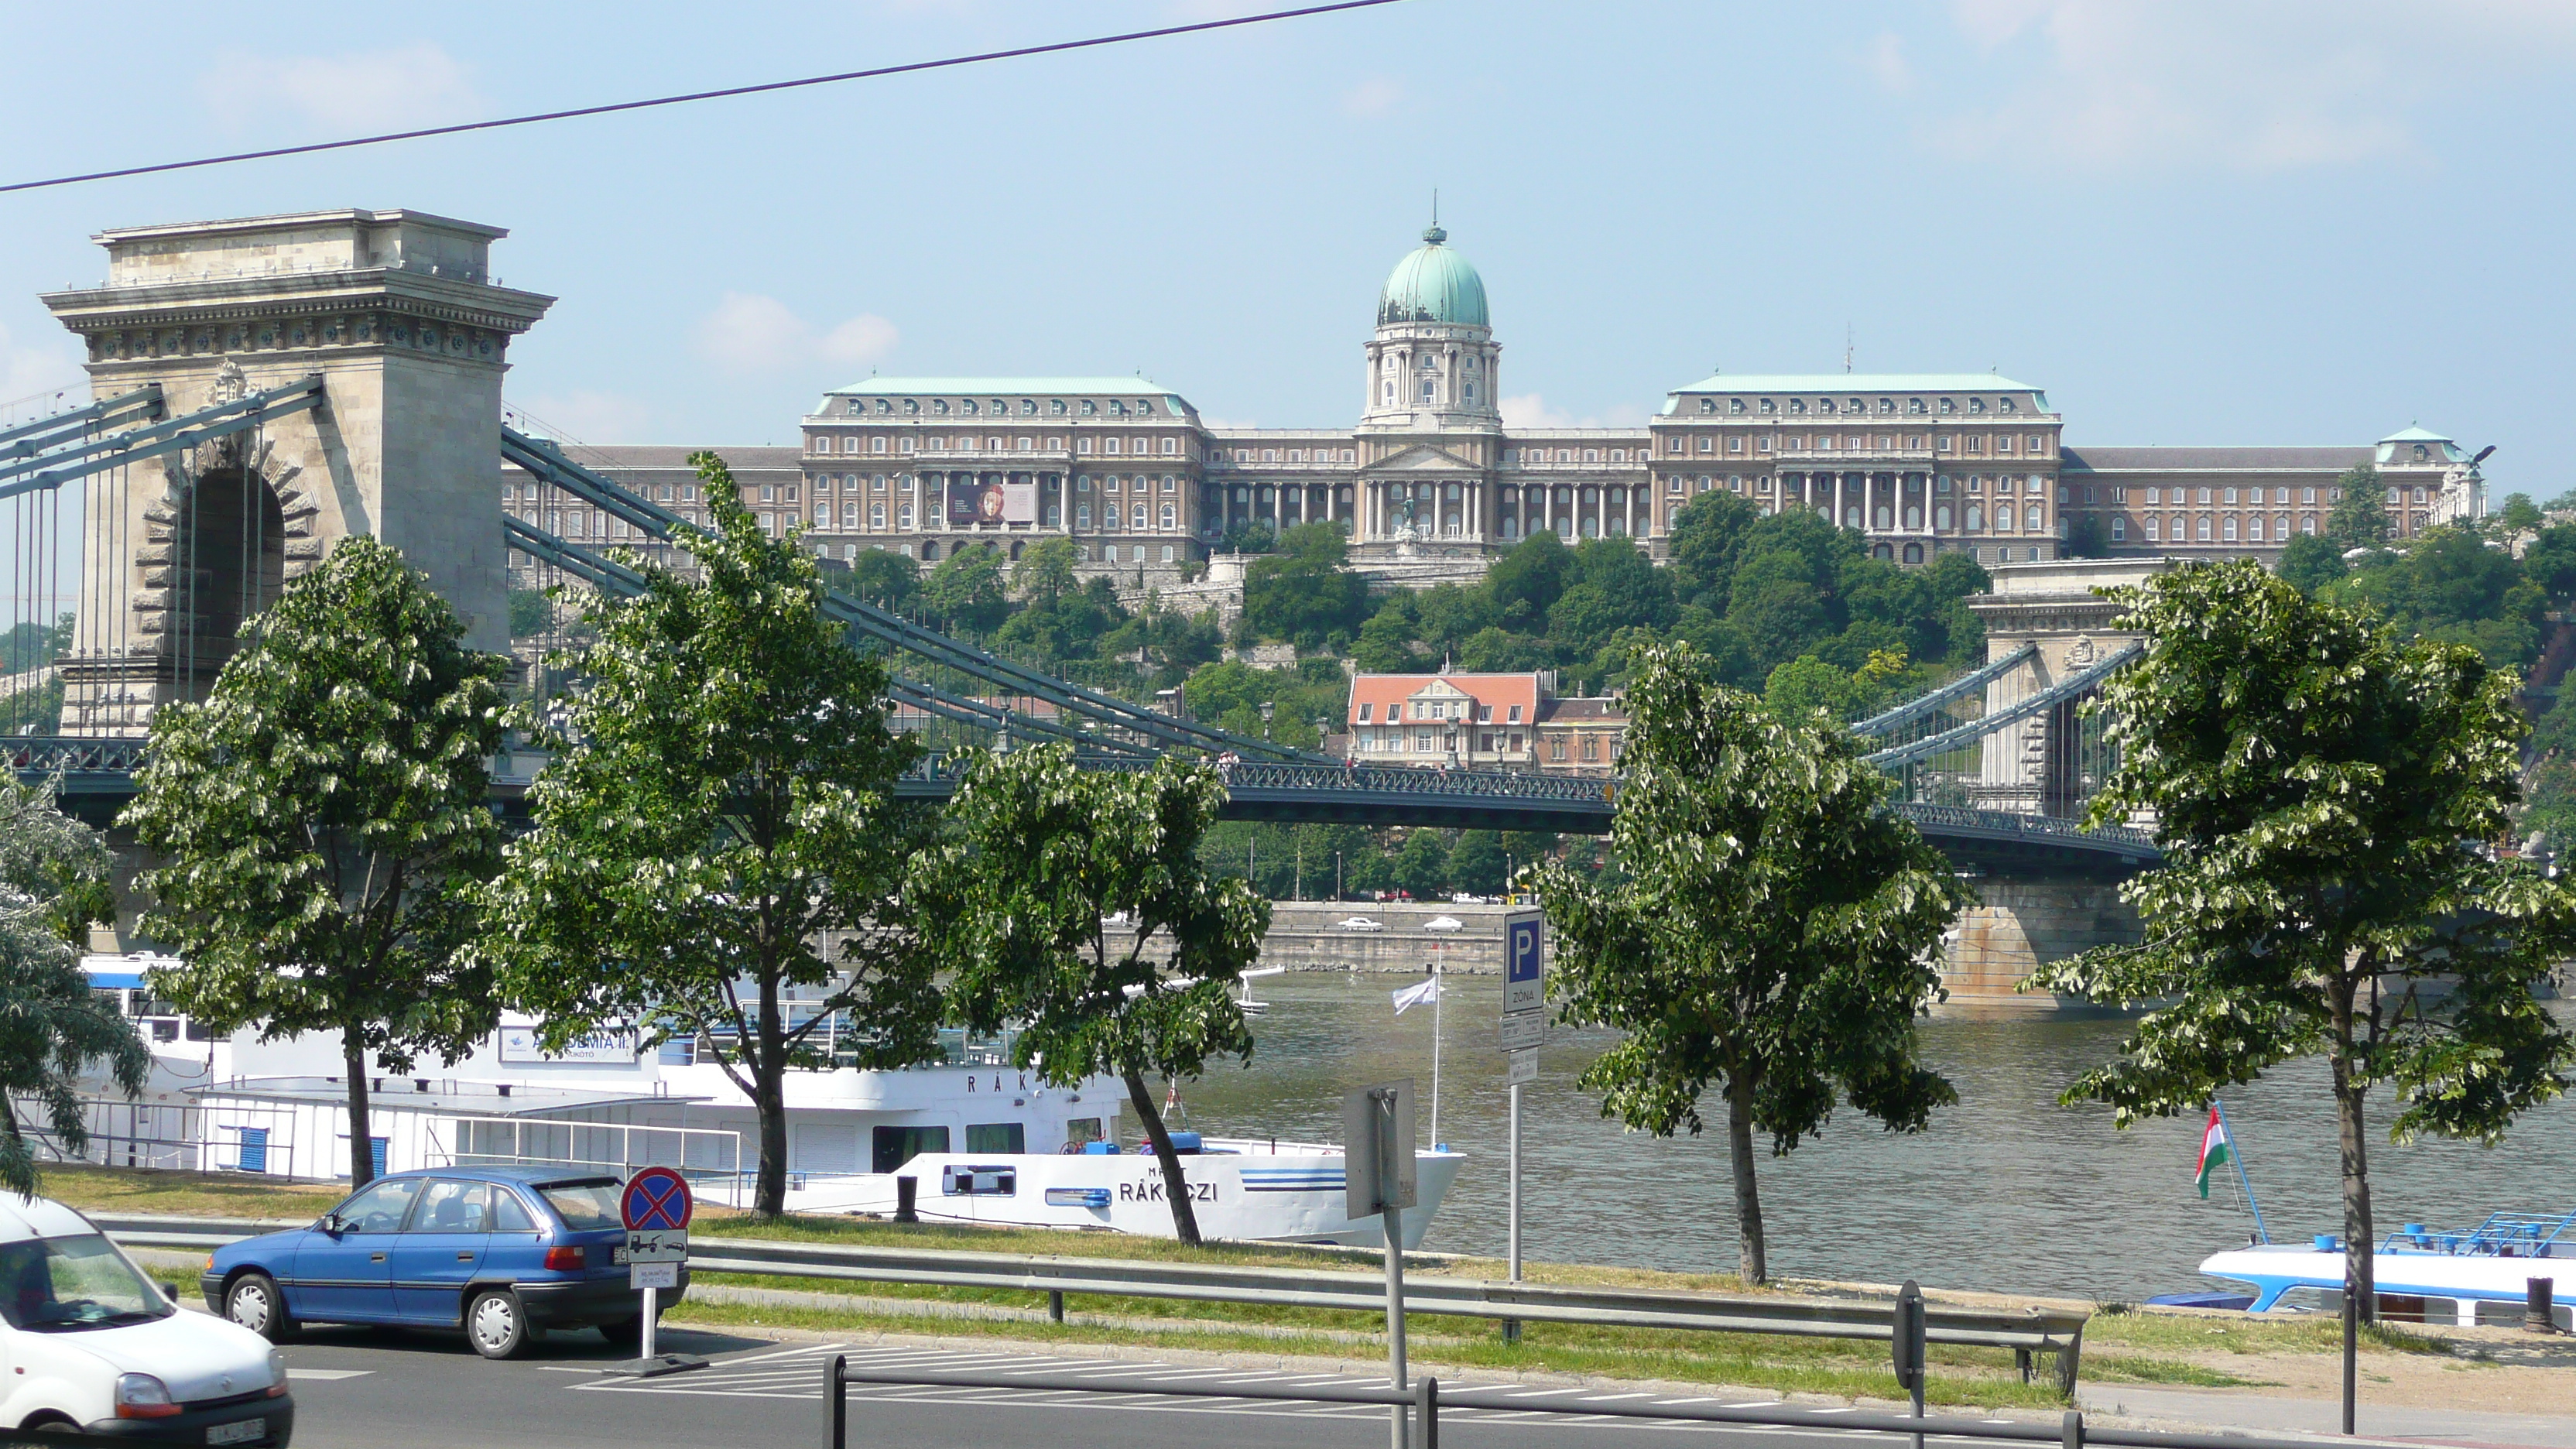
{"x": 2214, "y": 1149}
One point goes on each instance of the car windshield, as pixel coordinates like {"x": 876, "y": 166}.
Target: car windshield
{"x": 64, "y": 1285}
{"x": 586, "y": 1205}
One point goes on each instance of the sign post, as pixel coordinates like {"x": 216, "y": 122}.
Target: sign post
{"x": 1378, "y": 1176}
{"x": 656, "y": 1207}
{"x": 1906, "y": 1347}
{"x": 1524, "y": 1027}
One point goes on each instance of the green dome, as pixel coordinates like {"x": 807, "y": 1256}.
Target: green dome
{"x": 1433, "y": 284}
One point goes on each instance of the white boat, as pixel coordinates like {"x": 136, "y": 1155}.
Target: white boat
{"x": 2476, "y": 1275}
{"x": 983, "y": 1141}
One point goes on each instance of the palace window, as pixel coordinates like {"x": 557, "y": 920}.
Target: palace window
{"x": 2154, "y": 533}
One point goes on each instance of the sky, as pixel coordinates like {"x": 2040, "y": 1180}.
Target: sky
{"x": 2303, "y": 222}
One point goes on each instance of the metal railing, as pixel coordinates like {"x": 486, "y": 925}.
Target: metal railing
{"x": 1426, "y": 1401}
{"x": 2029, "y": 1334}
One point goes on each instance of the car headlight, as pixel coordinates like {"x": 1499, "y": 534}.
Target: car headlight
{"x": 276, "y": 1372}
{"x": 141, "y": 1396}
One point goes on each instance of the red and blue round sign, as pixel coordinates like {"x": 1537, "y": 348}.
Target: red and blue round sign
{"x": 656, "y": 1200}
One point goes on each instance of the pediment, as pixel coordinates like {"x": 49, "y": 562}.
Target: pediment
{"x": 1424, "y": 458}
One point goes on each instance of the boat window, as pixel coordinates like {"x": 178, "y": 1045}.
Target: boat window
{"x": 1081, "y": 1130}
{"x": 586, "y": 1205}
{"x": 895, "y": 1146}
{"x": 67, "y": 1284}
{"x": 997, "y": 1137}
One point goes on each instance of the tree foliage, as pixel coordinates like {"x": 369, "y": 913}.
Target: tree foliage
{"x": 54, "y": 884}
{"x": 1773, "y": 938}
{"x": 2322, "y": 791}
{"x": 719, "y": 824}
{"x": 1038, "y": 854}
{"x": 2359, "y": 518}
{"x": 1301, "y": 592}
{"x": 324, "y": 820}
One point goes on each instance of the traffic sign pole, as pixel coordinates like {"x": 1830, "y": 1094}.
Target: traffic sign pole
{"x": 656, "y": 1207}
{"x": 1524, "y": 1027}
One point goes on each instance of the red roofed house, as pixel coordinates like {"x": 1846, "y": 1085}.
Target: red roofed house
{"x": 1481, "y": 722}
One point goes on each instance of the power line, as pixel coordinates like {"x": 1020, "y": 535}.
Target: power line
{"x": 730, "y": 91}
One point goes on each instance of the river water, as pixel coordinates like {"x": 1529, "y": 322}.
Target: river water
{"x": 2007, "y": 1191}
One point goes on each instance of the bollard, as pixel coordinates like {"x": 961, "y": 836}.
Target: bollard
{"x": 836, "y": 1404}
{"x": 1426, "y": 1406}
{"x": 2537, "y": 1295}
{"x": 1905, "y": 1346}
{"x": 1055, "y": 1306}
{"x": 906, "y": 1191}
{"x": 2072, "y": 1432}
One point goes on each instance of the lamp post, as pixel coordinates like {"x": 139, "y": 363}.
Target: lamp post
{"x": 1267, "y": 709}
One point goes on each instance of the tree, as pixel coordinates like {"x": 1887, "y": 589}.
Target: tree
{"x": 884, "y": 578}
{"x": 54, "y": 884}
{"x": 965, "y": 591}
{"x": 1526, "y": 582}
{"x": 531, "y": 612}
{"x": 1773, "y": 937}
{"x": 326, "y": 818}
{"x": 1422, "y": 866}
{"x": 2086, "y": 537}
{"x": 1045, "y": 573}
{"x": 2360, "y": 515}
{"x": 2310, "y": 562}
{"x": 1302, "y": 593}
{"x": 1476, "y": 864}
{"x": 1037, "y": 855}
{"x": 2321, "y": 790}
{"x": 2518, "y": 515}
{"x": 720, "y": 819}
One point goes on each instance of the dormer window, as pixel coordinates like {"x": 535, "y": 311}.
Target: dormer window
{"x": 1735, "y": 406}
{"x": 1769, "y": 407}
{"x": 1887, "y": 407}
{"x": 968, "y": 406}
{"x": 1516, "y": 715}
{"x": 1914, "y": 407}
{"x": 1949, "y": 405}
{"x": 1708, "y": 405}
{"x": 1825, "y": 405}
{"x": 1090, "y": 408}
{"x": 2006, "y": 404}
{"x": 1364, "y": 712}
{"x": 1976, "y": 404}
{"x": 912, "y": 406}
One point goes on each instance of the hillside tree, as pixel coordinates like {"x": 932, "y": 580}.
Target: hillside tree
{"x": 324, "y": 818}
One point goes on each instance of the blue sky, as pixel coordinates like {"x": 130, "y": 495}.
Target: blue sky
{"x": 2302, "y": 222}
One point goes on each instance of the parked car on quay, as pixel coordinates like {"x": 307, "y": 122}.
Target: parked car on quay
{"x": 94, "y": 1345}
{"x": 504, "y": 1253}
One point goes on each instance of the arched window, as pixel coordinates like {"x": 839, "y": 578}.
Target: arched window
{"x": 903, "y": 518}
{"x": 850, "y": 515}
{"x": 2154, "y": 534}
{"x": 2254, "y": 529}
{"x": 1390, "y": 391}
{"x": 930, "y": 551}
{"x": 1082, "y": 515}
{"x": 2204, "y": 528}
{"x": 876, "y": 516}
{"x": 2227, "y": 528}
{"x": 1170, "y": 515}
{"x": 1976, "y": 518}
{"x": 1941, "y": 518}
{"x": 1428, "y": 389}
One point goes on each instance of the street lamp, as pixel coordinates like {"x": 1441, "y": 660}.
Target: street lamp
{"x": 1267, "y": 709}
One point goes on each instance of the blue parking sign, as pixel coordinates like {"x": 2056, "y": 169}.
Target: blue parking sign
{"x": 1524, "y": 983}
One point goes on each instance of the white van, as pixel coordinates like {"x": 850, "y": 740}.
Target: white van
{"x": 88, "y": 1342}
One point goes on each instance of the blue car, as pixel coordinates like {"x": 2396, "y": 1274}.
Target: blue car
{"x": 503, "y": 1252}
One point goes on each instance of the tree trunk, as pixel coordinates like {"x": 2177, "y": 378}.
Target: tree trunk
{"x": 2358, "y": 1239}
{"x": 362, "y": 1156}
{"x": 1185, "y": 1219}
{"x": 769, "y": 1098}
{"x": 1753, "y": 1261}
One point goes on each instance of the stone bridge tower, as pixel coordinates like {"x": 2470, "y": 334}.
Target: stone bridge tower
{"x": 2029, "y": 914}
{"x": 397, "y": 313}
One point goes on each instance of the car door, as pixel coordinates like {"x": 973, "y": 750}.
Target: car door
{"x": 344, "y": 1267}
{"x": 437, "y": 1252}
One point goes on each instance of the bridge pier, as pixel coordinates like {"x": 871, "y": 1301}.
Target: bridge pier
{"x": 2022, "y": 922}
{"x": 394, "y": 312}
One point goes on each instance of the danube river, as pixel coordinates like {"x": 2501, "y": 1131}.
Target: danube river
{"x": 2007, "y": 1191}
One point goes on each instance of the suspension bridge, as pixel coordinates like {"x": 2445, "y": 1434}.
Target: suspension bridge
{"x": 268, "y": 387}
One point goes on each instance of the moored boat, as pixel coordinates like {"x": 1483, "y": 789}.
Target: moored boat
{"x": 2473, "y": 1275}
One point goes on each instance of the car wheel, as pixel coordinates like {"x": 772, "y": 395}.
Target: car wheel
{"x": 254, "y": 1302}
{"x": 625, "y": 1332}
{"x": 496, "y": 1324}
{"x": 48, "y": 1424}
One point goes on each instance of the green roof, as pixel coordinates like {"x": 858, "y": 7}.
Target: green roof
{"x": 2416, "y": 434}
{"x": 1433, "y": 284}
{"x": 1849, "y": 382}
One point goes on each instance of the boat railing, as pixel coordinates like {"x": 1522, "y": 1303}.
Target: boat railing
{"x": 2502, "y": 1235}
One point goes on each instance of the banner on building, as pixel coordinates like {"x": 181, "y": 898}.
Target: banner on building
{"x": 975, "y": 500}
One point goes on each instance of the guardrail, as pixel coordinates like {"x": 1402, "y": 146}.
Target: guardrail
{"x": 2030, "y": 1334}
{"x": 1425, "y": 1400}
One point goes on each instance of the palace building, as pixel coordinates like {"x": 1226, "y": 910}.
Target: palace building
{"x": 1431, "y": 479}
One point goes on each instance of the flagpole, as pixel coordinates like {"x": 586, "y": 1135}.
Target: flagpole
{"x": 1436, "y": 994}
{"x": 2236, "y": 1154}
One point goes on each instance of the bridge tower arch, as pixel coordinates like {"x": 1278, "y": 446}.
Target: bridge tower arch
{"x": 396, "y": 314}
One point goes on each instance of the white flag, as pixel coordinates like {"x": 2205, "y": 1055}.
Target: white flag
{"x": 1417, "y": 995}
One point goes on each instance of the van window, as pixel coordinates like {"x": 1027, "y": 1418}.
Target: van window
{"x": 586, "y": 1205}
{"x": 65, "y": 1285}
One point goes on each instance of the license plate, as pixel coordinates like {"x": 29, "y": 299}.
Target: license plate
{"x": 240, "y": 1431}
